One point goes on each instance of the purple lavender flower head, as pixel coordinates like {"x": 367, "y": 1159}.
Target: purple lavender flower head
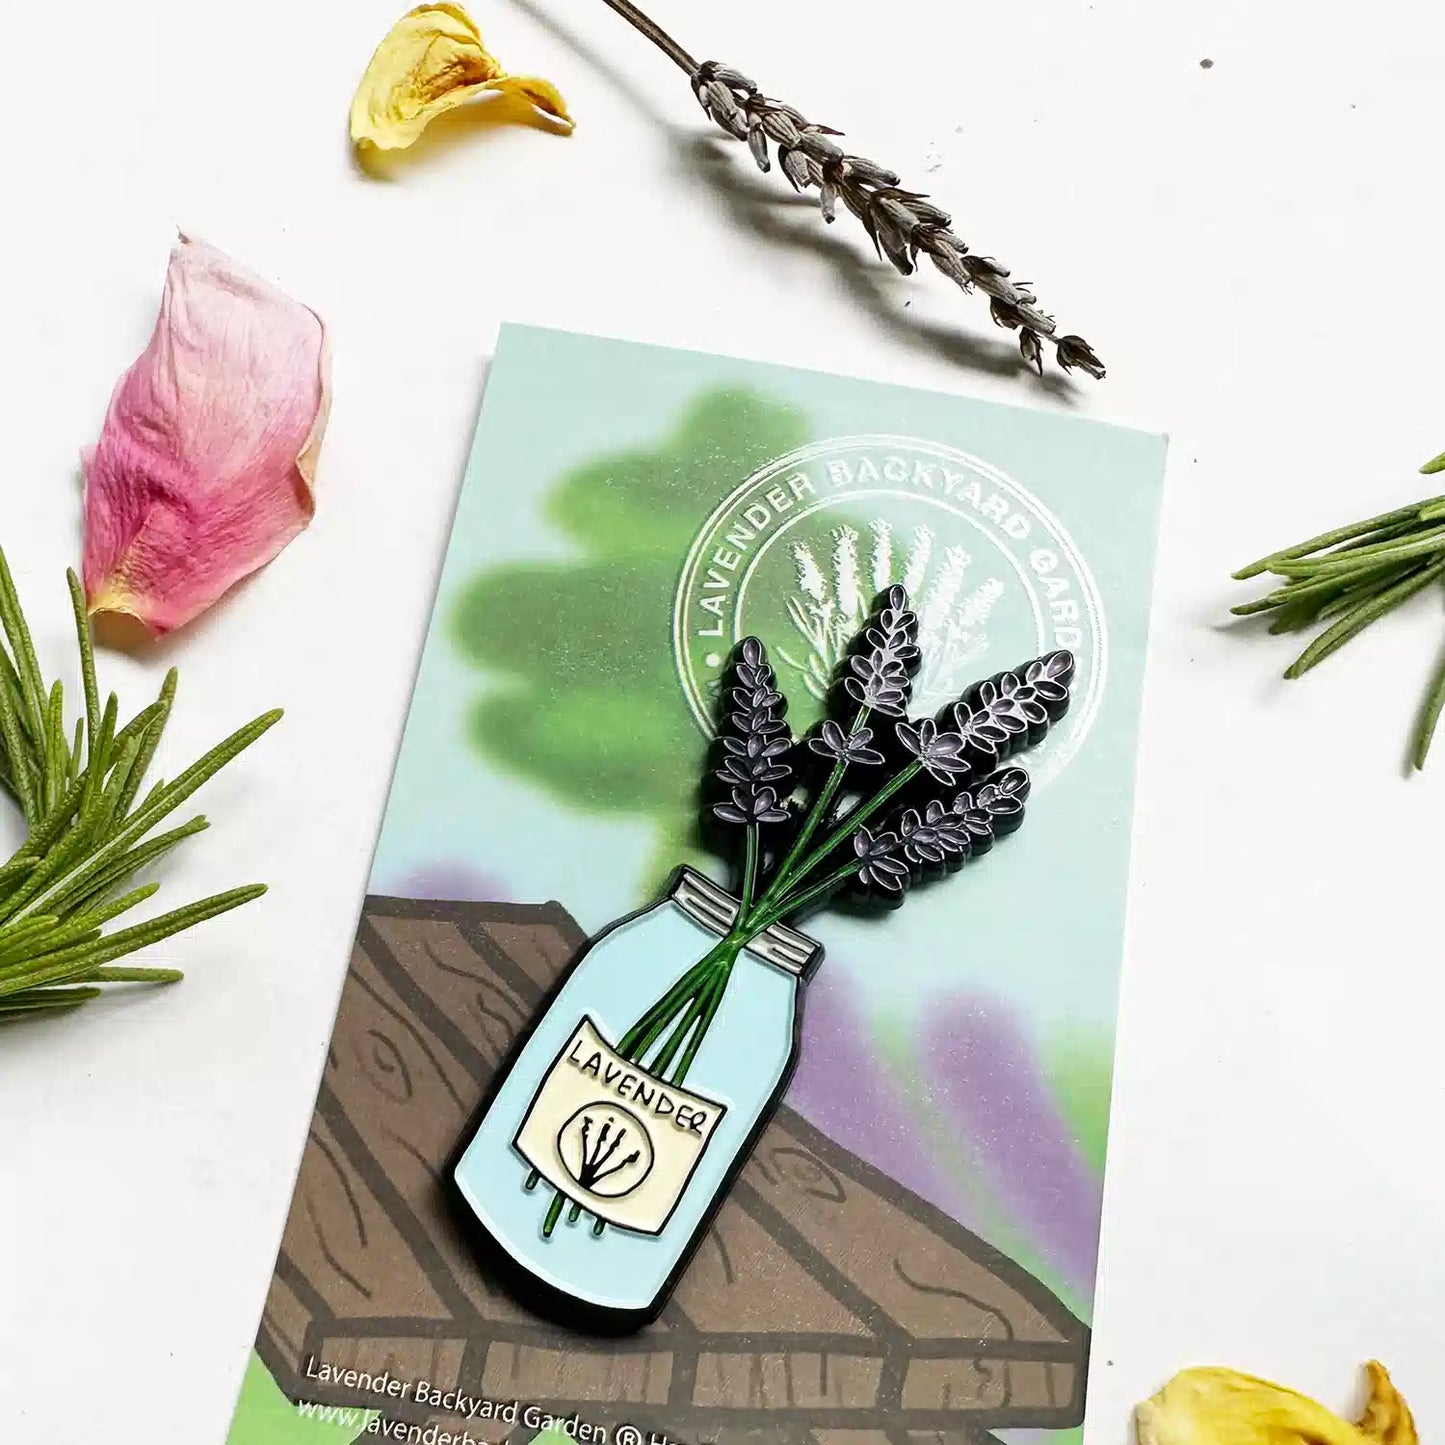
{"x": 1013, "y": 710}
{"x": 842, "y": 747}
{"x": 756, "y": 742}
{"x": 982, "y": 800}
{"x": 881, "y": 863}
{"x": 751, "y": 805}
{"x": 880, "y": 674}
{"x": 940, "y": 751}
{"x": 945, "y": 833}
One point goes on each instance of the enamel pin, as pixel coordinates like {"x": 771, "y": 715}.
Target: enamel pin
{"x": 615, "y": 1129}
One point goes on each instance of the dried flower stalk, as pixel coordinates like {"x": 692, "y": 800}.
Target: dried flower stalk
{"x": 903, "y": 224}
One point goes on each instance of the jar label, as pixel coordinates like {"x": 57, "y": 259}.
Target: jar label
{"x": 613, "y": 1137}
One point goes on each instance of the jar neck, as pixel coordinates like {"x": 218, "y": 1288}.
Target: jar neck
{"x": 716, "y": 910}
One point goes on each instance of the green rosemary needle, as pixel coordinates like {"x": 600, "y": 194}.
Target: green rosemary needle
{"x": 1350, "y": 578}
{"x": 88, "y": 836}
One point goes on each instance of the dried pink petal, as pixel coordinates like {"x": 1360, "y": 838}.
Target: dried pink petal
{"x": 204, "y": 466}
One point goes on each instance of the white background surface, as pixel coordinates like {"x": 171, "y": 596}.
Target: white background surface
{"x": 1255, "y": 249}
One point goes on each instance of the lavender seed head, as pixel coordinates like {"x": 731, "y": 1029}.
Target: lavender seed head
{"x": 900, "y": 223}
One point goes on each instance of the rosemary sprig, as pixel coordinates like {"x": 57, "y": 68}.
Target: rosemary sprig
{"x": 87, "y": 834}
{"x": 902, "y": 224}
{"x": 1351, "y": 577}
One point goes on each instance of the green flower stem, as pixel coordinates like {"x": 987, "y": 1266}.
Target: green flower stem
{"x": 714, "y": 997}
{"x": 792, "y": 902}
{"x": 817, "y": 811}
{"x": 653, "y": 1024}
{"x": 668, "y": 1052}
{"x": 1360, "y": 617}
{"x": 852, "y": 821}
{"x": 647, "y": 1030}
{"x": 814, "y": 816}
{"x": 554, "y": 1213}
{"x": 750, "y": 869}
{"x": 692, "y": 1003}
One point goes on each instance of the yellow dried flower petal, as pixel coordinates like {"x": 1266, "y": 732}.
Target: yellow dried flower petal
{"x": 1224, "y": 1407}
{"x": 432, "y": 61}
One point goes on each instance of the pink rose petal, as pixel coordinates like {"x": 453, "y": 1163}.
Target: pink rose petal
{"x": 203, "y": 469}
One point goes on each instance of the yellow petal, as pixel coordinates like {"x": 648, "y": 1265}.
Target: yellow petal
{"x": 431, "y": 61}
{"x": 1224, "y": 1407}
{"x": 1386, "y": 1416}
{"x": 542, "y": 93}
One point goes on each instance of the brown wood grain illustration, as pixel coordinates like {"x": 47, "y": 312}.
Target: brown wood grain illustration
{"x": 828, "y": 1305}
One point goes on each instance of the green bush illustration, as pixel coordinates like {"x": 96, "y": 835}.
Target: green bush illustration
{"x": 582, "y": 698}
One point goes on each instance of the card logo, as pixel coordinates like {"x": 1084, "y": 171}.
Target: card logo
{"x": 796, "y": 554}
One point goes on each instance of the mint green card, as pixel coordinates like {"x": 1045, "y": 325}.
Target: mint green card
{"x": 905, "y": 1250}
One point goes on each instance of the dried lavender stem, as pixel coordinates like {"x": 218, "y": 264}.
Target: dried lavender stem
{"x": 901, "y": 223}
{"x": 654, "y": 33}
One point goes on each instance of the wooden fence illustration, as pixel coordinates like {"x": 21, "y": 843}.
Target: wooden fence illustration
{"x": 828, "y": 1305}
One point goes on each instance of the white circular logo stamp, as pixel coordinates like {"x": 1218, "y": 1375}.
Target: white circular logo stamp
{"x": 796, "y": 554}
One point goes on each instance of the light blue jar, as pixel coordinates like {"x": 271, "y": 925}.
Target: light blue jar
{"x": 589, "y": 1179}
